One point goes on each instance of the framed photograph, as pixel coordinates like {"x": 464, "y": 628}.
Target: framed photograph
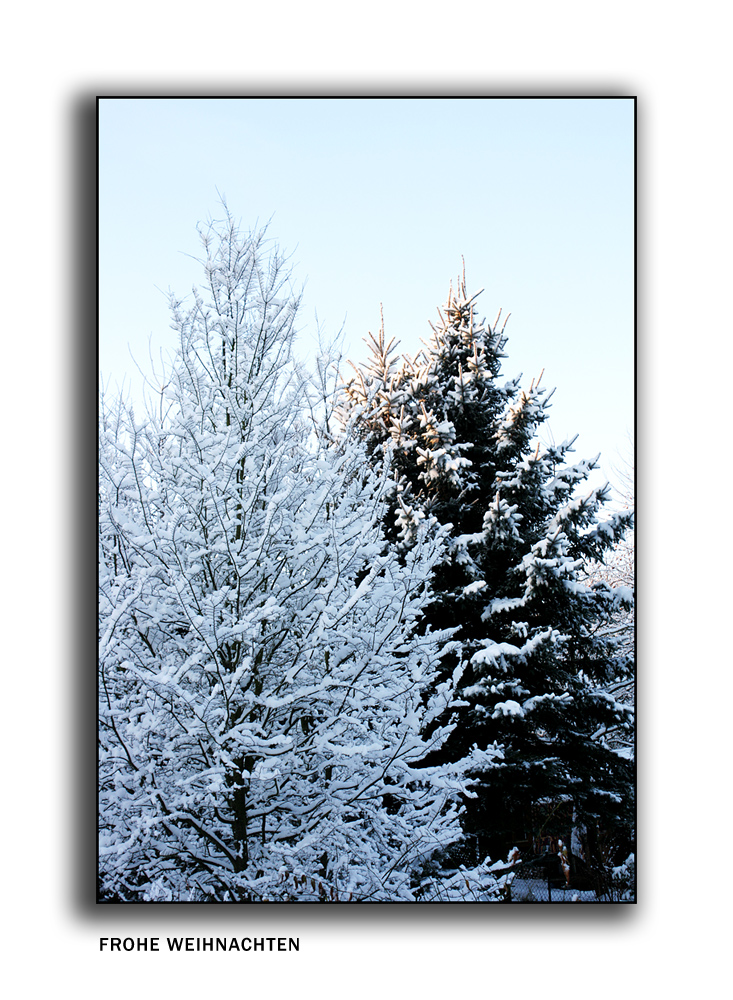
{"x": 366, "y": 502}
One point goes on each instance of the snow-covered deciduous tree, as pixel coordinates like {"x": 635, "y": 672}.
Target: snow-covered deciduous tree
{"x": 618, "y": 569}
{"x": 524, "y": 528}
{"x": 265, "y": 691}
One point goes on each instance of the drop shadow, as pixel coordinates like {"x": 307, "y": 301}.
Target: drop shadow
{"x": 82, "y": 368}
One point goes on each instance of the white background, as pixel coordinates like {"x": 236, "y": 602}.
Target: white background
{"x": 55, "y": 60}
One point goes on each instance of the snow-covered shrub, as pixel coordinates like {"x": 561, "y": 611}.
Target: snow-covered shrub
{"x": 623, "y": 881}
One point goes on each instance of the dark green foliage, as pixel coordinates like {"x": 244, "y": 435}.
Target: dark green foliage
{"x": 526, "y": 527}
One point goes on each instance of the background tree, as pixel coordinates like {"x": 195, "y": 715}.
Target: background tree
{"x": 524, "y": 527}
{"x": 264, "y": 691}
{"x": 618, "y": 570}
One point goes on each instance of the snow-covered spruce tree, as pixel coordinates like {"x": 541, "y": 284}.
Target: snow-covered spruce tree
{"x": 264, "y": 693}
{"x": 523, "y": 529}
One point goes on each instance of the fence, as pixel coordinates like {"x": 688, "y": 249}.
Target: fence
{"x": 551, "y": 879}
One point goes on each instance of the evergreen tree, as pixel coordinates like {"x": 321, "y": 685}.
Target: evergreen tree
{"x": 264, "y": 691}
{"x": 524, "y": 527}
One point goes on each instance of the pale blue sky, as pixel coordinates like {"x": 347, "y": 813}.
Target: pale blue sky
{"x": 378, "y": 199}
